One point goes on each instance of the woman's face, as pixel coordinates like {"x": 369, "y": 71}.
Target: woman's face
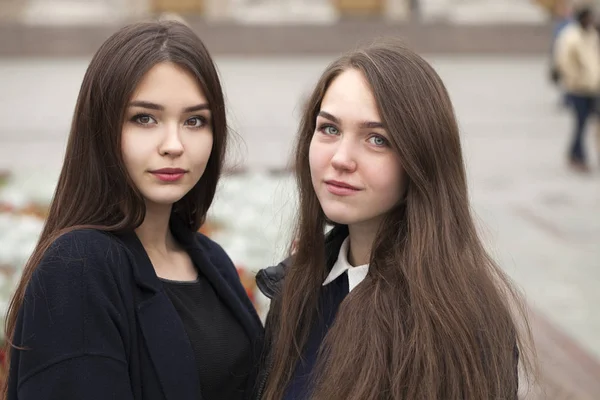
{"x": 356, "y": 174}
{"x": 167, "y": 136}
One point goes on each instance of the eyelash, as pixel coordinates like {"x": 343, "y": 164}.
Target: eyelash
{"x": 386, "y": 143}
{"x": 135, "y": 119}
{"x": 322, "y": 128}
{"x": 202, "y": 120}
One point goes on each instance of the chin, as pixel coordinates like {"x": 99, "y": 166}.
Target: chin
{"x": 341, "y": 217}
{"x": 164, "y": 199}
{"x": 351, "y": 216}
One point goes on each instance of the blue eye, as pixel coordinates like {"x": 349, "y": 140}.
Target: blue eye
{"x": 329, "y": 130}
{"x": 143, "y": 119}
{"x": 378, "y": 141}
{"x": 196, "y": 122}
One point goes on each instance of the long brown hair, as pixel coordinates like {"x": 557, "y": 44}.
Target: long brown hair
{"x": 94, "y": 189}
{"x": 434, "y": 317}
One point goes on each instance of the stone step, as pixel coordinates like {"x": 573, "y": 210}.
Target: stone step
{"x": 230, "y": 38}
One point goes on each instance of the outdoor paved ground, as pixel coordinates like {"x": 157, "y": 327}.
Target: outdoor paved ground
{"x": 541, "y": 221}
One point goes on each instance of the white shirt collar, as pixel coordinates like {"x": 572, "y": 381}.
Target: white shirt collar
{"x": 355, "y": 274}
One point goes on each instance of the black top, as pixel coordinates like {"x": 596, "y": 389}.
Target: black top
{"x": 224, "y": 363}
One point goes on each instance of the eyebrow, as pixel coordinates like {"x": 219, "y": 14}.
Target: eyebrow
{"x": 154, "y": 106}
{"x": 364, "y": 125}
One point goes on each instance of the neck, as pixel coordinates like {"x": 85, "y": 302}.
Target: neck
{"x": 154, "y": 232}
{"x": 361, "y": 241}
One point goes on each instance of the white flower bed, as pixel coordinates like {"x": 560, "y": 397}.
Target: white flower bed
{"x": 253, "y": 211}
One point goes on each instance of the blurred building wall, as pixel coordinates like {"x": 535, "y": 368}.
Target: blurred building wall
{"x": 98, "y": 11}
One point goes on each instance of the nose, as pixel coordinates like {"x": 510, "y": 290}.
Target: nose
{"x": 344, "y": 159}
{"x": 171, "y": 144}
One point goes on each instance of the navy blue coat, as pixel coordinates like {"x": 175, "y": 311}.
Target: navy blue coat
{"x": 97, "y": 324}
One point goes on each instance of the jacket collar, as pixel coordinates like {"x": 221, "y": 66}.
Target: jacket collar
{"x": 146, "y": 278}
{"x": 270, "y": 280}
{"x": 143, "y": 271}
{"x": 175, "y": 364}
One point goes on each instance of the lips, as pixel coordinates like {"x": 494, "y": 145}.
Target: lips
{"x": 341, "y": 184}
{"x": 169, "y": 174}
{"x": 340, "y": 188}
{"x": 169, "y": 171}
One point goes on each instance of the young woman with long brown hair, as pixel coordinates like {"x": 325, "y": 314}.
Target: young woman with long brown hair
{"x": 399, "y": 300}
{"x": 122, "y": 298}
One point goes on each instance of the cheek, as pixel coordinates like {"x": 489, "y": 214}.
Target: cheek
{"x": 317, "y": 158}
{"x": 200, "y": 148}
{"x": 390, "y": 184}
{"x": 129, "y": 150}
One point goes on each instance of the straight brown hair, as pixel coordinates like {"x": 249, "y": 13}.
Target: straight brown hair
{"x": 436, "y": 318}
{"x": 94, "y": 189}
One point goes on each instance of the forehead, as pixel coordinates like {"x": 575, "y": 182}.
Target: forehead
{"x": 349, "y": 97}
{"x": 168, "y": 82}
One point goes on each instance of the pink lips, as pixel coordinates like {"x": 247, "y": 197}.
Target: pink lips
{"x": 340, "y": 188}
{"x": 169, "y": 174}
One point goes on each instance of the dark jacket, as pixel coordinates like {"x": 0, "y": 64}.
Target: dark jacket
{"x": 270, "y": 282}
{"x": 100, "y": 326}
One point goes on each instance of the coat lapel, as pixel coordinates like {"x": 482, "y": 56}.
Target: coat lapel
{"x": 244, "y": 313}
{"x": 169, "y": 348}
{"x": 227, "y": 285}
{"x": 164, "y": 334}
{"x": 226, "y": 293}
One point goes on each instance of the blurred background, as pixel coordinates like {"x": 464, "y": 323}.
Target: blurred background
{"x": 539, "y": 218}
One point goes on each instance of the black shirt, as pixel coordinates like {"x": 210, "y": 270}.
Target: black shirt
{"x": 221, "y": 346}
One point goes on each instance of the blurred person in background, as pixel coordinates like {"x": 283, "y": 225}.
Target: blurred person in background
{"x": 562, "y": 19}
{"x": 122, "y": 297}
{"x": 577, "y": 57}
{"x": 399, "y": 300}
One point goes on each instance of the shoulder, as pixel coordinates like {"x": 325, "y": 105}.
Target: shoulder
{"x": 83, "y": 254}
{"x": 78, "y": 275}
{"x": 570, "y": 34}
{"x": 85, "y": 245}
{"x": 213, "y": 250}
{"x": 74, "y": 304}
{"x": 82, "y": 241}
{"x": 223, "y": 265}
{"x": 218, "y": 258}
{"x": 270, "y": 280}
{"x": 571, "y": 29}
